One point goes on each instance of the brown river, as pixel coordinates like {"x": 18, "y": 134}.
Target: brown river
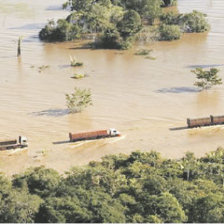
{"x": 142, "y": 98}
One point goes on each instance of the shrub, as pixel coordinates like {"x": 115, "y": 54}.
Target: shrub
{"x": 78, "y": 100}
{"x": 194, "y": 22}
{"x": 169, "y": 32}
{"x": 79, "y": 76}
{"x": 170, "y": 18}
{"x": 207, "y": 79}
{"x": 60, "y": 31}
{"x": 110, "y": 39}
{"x": 143, "y": 52}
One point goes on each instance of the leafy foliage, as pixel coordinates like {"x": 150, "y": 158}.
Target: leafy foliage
{"x": 207, "y": 79}
{"x": 116, "y": 23}
{"x": 169, "y": 32}
{"x": 194, "y": 22}
{"x": 78, "y": 100}
{"x": 140, "y": 187}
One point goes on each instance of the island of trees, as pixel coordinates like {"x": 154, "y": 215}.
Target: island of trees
{"x": 140, "y": 187}
{"x": 117, "y": 23}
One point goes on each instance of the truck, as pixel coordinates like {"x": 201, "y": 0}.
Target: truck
{"x": 112, "y": 132}
{"x": 13, "y": 143}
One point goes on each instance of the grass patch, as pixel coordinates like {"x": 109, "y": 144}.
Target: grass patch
{"x": 150, "y": 57}
{"x": 143, "y": 52}
{"x": 78, "y": 76}
{"x": 40, "y": 68}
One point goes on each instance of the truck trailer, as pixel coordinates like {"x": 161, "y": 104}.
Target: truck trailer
{"x": 206, "y": 121}
{"x": 13, "y": 143}
{"x": 112, "y": 132}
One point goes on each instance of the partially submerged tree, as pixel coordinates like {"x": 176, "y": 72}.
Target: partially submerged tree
{"x": 207, "y": 79}
{"x": 78, "y": 100}
{"x": 19, "y": 46}
{"x": 169, "y": 32}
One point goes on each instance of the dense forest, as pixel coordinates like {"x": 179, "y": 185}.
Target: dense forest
{"x": 140, "y": 187}
{"x": 118, "y": 23}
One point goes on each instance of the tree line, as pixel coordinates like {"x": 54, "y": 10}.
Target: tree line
{"x": 140, "y": 187}
{"x": 116, "y": 23}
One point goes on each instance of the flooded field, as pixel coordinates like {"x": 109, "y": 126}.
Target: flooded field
{"x": 141, "y": 98}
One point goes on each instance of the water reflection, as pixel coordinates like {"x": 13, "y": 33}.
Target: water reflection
{"x": 208, "y": 100}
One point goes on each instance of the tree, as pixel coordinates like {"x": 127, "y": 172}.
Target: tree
{"x": 20, "y": 207}
{"x": 208, "y": 209}
{"x": 147, "y": 9}
{"x": 169, "y": 209}
{"x": 78, "y": 100}
{"x": 39, "y": 181}
{"x": 130, "y": 24}
{"x": 207, "y": 78}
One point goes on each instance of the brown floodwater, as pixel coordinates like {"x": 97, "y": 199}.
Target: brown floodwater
{"x": 140, "y": 97}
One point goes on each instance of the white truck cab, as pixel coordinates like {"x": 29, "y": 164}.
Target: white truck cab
{"x": 23, "y": 141}
{"x": 114, "y": 132}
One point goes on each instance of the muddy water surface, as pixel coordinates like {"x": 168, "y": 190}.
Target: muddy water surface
{"x": 142, "y": 98}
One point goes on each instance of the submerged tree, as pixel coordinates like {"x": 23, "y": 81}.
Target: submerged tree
{"x": 207, "y": 79}
{"x": 19, "y": 46}
{"x": 78, "y": 100}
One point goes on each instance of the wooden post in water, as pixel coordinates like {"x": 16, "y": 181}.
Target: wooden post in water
{"x": 19, "y": 46}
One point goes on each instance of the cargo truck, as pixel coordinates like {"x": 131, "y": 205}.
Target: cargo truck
{"x": 14, "y": 143}
{"x": 112, "y": 132}
{"x": 206, "y": 121}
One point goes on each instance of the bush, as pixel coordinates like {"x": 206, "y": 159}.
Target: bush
{"x": 194, "y": 22}
{"x": 78, "y": 100}
{"x": 110, "y": 39}
{"x": 60, "y": 31}
{"x": 169, "y": 32}
{"x": 79, "y": 76}
{"x": 143, "y": 52}
{"x": 207, "y": 78}
{"x": 170, "y": 18}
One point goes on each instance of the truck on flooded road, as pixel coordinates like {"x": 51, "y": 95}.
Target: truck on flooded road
{"x": 112, "y": 132}
{"x": 13, "y": 143}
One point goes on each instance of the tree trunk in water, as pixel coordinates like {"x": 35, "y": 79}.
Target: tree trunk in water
{"x": 19, "y": 47}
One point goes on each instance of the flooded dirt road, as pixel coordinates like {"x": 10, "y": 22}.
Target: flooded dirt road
{"x": 142, "y": 98}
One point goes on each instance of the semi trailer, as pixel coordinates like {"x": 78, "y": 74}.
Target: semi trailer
{"x": 14, "y": 143}
{"x": 112, "y": 132}
{"x": 206, "y": 121}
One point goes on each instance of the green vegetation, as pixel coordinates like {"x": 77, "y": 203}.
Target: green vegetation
{"x": 143, "y": 52}
{"x": 173, "y": 24}
{"x": 207, "y": 79}
{"x": 78, "y": 100}
{"x": 140, "y": 187}
{"x": 75, "y": 63}
{"x": 194, "y": 22}
{"x": 40, "y": 68}
{"x": 115, "y": 24}
{"x": 169, "y": 32}
{"x": 78, "y": 76}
